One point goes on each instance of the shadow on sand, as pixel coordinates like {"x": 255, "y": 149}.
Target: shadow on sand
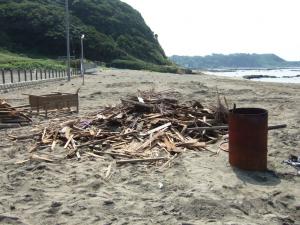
{"x": 267, "y": 178}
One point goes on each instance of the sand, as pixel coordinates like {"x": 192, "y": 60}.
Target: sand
{"x": 198, "y": 189}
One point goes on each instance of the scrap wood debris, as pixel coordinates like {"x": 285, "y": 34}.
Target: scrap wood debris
{"x": 10, "y": 117}
{"x": 149, "y": 127}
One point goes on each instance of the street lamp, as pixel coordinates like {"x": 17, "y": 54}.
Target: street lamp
{"x": 81, "y": 60}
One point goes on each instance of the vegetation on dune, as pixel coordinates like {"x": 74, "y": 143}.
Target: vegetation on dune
{"x": 113, "y": 30}
{"x": 239, "y": 60}
{"x": 140, "y": 65}
{"x": 13, "y": 61}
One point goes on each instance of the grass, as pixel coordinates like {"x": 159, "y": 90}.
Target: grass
{"x": 10, "y": 60}
{"x": 141, "y": 65}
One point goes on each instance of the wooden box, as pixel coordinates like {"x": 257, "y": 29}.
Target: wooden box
{"x": 53, "y": 101}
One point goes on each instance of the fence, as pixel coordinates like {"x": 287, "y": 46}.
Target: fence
{"x": 19, "y": 78}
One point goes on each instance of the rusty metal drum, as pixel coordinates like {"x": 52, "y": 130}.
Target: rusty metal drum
{"x": 248, "y": 138}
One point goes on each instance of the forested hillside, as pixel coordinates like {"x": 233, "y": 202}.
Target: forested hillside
{"x": 239, "y": 60}
{"x": 115, "y": 32}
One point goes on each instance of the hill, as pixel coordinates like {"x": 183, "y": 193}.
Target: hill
{"x": 239, "y": 60}
{"x": 115, "y": 32}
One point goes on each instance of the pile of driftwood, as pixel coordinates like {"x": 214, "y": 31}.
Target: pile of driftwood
{"x": 151, "y": 126}
{"x": 10, "y": 117}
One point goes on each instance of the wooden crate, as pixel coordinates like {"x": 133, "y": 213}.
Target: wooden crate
{"x": 53, "y": 101}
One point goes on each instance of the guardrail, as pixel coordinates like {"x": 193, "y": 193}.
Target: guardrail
{"x": 10, "y": 79}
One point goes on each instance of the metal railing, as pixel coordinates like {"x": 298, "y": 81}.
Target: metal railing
{"x": 18, "y": 78}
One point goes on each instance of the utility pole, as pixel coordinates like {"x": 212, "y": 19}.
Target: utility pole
{"x": 68, "y": 39}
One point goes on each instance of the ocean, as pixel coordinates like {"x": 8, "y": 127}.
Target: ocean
{"x": 284, "y": 75}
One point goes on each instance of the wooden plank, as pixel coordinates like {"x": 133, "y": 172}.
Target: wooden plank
{"x": 179, "y": 135}
{"x": 148, "y": 142}
{"x": 156, "y": 129}
{"x": 271, "y": 127}
{"x": 43, "y": 158}
{"x": 69, "y": 140}
{"x": 114, "y": 154}
{"x": 191, "y": 143}
{"x": 139, "y": 104}
{"x": 9, "y": 125}
{"x": 209, "y": 128}
{"x": 274, "y": 127}
{"x": 168, "y": 163}
{"x": 94, "y": 155}
{"x": 170, "y": 145}
{"x": 132, "y": 161}
{"x": 24, "y": 136}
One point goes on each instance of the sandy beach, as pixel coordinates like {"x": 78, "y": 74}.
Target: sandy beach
{"x": 199, "y": 188}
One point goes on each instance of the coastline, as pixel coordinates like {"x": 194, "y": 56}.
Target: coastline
{"x": 277, "y": 75}
{"x": 198, "y": 189}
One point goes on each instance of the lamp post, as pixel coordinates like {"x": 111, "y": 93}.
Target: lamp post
{"x": 81, "y": 60}
{"x": 68, "y": 39}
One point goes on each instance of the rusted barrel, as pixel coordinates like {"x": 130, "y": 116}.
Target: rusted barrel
{"x": 248, "y": 135}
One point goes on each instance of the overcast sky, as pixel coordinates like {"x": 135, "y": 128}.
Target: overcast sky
{"x": 202, "y": 27}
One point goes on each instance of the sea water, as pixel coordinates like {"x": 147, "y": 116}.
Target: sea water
{"x": 284, "y": 75}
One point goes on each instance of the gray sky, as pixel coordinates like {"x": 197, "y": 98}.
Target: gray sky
{"x": 202, "y": 27}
